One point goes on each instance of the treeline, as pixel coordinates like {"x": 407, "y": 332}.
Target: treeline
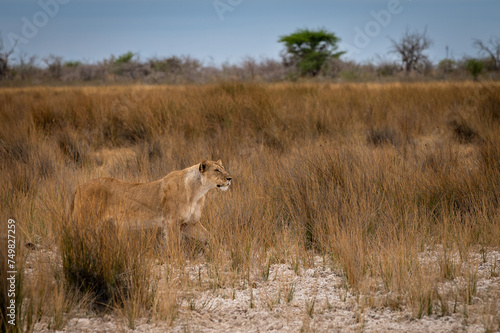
{"x": 128, "y": 67}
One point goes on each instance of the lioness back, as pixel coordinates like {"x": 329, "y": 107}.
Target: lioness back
{"x": 117, "y": 200}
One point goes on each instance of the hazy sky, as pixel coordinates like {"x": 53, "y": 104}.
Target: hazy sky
{"x": 217, "y": 31}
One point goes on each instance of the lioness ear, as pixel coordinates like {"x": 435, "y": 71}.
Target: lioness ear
{"x": 219, "y": 162}
{"x": 203, "y": 166}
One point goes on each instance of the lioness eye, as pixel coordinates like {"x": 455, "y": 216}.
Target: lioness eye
{"x": 217, "y": 170}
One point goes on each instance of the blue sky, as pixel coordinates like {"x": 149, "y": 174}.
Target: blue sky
{"x": 218, "y": 31}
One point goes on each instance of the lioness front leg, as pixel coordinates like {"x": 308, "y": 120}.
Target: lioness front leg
{"x": 195, "y": 231}
{"x": 171, "y": 232}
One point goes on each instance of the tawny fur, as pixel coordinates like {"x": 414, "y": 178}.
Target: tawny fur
{"x": 173, "y": 203}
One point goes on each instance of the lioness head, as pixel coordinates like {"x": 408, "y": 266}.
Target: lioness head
{"x": 215, "y": 173}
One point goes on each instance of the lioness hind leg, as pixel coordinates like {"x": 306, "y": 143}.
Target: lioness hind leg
{"x": 172, "y": 235}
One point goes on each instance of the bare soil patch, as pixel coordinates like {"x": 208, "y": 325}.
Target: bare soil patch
{"x": 316, "y": 299}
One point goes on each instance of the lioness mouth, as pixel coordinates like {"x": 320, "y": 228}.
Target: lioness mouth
{"x": 223, "y": 187}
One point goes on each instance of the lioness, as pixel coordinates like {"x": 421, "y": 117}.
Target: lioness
{"x": 173, "y": 203}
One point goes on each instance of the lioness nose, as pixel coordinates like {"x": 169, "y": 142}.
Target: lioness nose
{"x": 229, "y": 178}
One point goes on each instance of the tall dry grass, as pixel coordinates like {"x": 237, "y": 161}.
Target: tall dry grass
{"x": 372, "y": 177}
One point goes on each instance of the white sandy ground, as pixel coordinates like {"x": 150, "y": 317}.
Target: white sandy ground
{"x": 335, "y": 308}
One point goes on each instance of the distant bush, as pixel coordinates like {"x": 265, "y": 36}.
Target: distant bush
{"x": 447, "y": 66}
{"x": 124, "y": 58}
{"x": 475, "y": 67}
{"x": 54, "y": 66}
{"x": 72, "y": 64}
{"x": 388, "y": 68}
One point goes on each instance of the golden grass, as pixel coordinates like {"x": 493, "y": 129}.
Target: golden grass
{"x": 370, "y": 176}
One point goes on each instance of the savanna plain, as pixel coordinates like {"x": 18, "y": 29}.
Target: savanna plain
{"x": 353, "y": 207}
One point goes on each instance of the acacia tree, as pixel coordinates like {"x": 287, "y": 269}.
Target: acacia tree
{"x": 308, "y": 50}
{"x": 493, "y": 50}
{"x": 411, "y": 49}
